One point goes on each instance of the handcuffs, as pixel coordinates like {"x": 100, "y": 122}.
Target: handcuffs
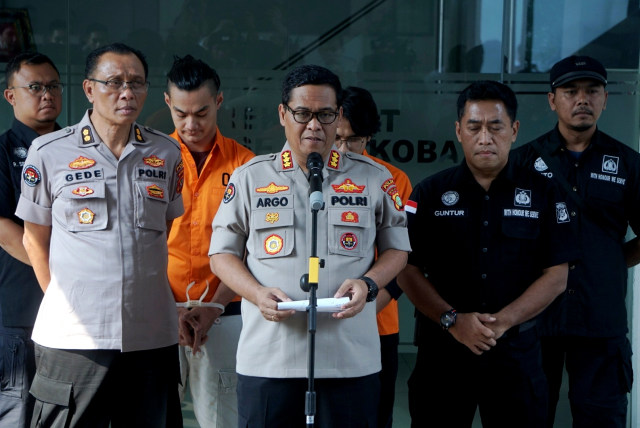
{"x": 195, "y": 303}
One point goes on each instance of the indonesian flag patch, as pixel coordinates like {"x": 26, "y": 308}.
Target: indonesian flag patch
{"x": 411, "y": 206}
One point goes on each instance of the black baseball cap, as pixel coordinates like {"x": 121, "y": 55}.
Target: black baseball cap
{"x": 577, "y": 67}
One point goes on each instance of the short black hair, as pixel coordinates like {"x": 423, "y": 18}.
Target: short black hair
{"x": 189, "y": 74}
{"x": 310, "y": 74}
{"x": 117, "y": 48}
{"x": 29, "y": 58}
{"x": 359, "y": 108}
{"x": 483, "y": 90}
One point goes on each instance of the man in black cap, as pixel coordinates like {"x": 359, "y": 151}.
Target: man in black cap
{"x": 587, "y": 325}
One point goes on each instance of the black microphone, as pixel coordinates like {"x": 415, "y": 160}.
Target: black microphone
{"x": 315, "y": 165}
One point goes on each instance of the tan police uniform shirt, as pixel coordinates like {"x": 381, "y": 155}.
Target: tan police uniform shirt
{"x": 266, "y": 211}
{"x": 108, "y": 252}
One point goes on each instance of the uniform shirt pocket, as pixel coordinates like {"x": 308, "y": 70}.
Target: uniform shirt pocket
{"x": 273, "y": 233}
{"x": 520, "y": 240}
{"x": 350, "y": 231}
{"x": 84, "y": 206}
{"x": 151, "y": 204}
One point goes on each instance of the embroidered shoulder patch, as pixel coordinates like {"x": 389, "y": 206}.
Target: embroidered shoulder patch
{"x": 229, "y": 193}
{"x": 31, "y": 175}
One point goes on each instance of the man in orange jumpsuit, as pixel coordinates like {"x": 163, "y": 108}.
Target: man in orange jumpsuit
{"x": 360, "y": 121}
{"x": 208, "y": 311}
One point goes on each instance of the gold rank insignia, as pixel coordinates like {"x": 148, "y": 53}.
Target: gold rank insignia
{"x": 350, "y": 217}
{"x": 139, "y": 137}
{"x": 348, "y": 186}
{"x": 86, "y": 216}
{"x": 272, "y": 217}
{"x": 272, "y": 188}
{"x": 387, "y": 183}
{"x": 273, "y": 244}
{"x": 82, "y": 163}
{"x": 83, "y": 191}
{"x": 155, "y": 191}
{"x": 153, "y": 161}
{"x": 285, "y": 157}
{"x": 334, "y": 159}
{"x": 87, "y": 136}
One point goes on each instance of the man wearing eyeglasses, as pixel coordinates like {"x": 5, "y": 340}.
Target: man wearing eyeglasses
{"x": 35, "y": 93}
{"x": 359, "y": 123}
{"x": 98, "y": 199}
{"x": 266, "y": 215}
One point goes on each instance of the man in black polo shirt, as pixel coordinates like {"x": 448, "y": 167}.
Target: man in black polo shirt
{"x": 35, "y": 93}
{"x": 600, "y": 178}
{"x": 488, "y": 256}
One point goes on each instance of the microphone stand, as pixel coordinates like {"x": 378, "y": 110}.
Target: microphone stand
{"x": 309, "y": 283}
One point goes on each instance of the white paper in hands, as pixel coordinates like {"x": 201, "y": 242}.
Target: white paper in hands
{"x": 324, "y": 305}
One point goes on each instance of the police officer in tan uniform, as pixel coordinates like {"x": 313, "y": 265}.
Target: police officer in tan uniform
{"x": 265, "y": 213}
{"x": 97, "y": 200}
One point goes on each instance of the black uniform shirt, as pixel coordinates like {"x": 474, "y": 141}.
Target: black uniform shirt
{"x": 482, "y": 249}
{"x": 20, "y": 294}
{"x": 607, "y": 177}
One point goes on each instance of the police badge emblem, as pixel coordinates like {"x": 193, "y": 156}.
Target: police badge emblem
{"x": 610, "y": 164}
{"x": 522, "y": 198}
{"x": 562, "y": 213}
{"x": 450, "y": 198}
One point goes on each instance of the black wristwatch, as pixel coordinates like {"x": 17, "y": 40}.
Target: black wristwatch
{"x": 372, "y": 287}
{"x": 448, "y": 319}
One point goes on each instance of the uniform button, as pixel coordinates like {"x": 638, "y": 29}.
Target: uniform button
{"x": 484, "y": 250}
{"x": 575, "y": 164}
{"x": 196, "y": 194}
{"x": 485, "y": 223}
{"x": 572, "y": 267}
{"x": 573, "y": 213}
{"x": 195, "y": 223}
{"x": 572, "y": 291}
{"x": 486, "y": 197}
{"x": 575, "y": 188}
{"x": 484, "y": 276}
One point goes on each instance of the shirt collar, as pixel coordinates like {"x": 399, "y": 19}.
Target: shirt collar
{"x": 25, "y": 133}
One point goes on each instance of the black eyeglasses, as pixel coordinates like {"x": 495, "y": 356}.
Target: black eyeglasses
{"x": 326, "y": 117}
{"x": 117, "y": 85}
{"x": 38, "y": 89}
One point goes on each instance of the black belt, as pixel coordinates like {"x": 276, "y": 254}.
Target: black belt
{"x": 232, "y": 308}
